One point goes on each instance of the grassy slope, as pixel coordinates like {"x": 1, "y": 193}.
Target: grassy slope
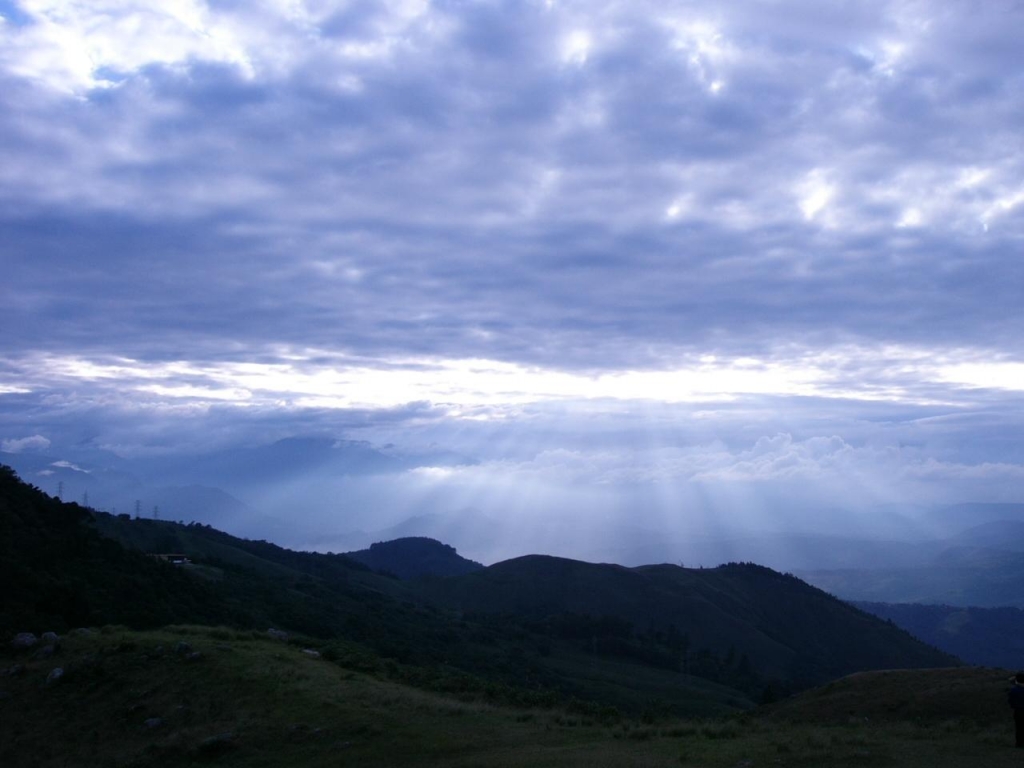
{"x": 259, "y": 557}
{"x": 283, "y": 707}
{"x": 973, "y": 694}
{"x": 638, "y": 688}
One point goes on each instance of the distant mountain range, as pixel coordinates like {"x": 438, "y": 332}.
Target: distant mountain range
{"x": 990, "y": 637}
{"x": 255, "y": 491}
{"x": 813, "y": 556}
{"x": 201, "y": 488}
{"x": 958, "y": 576}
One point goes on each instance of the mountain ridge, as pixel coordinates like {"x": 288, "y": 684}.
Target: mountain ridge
{"x": 535, "y": 622}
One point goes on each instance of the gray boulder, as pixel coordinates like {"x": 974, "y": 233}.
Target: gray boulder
{"x": 55, "y": 676}
{"x": 23, "y": 641}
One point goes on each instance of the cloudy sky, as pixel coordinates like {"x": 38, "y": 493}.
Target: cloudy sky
{"x": 658, "y": 259}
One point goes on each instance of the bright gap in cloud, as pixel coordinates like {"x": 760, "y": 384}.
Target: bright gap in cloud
{"x": 814, "y": 193}
{"x": 889, "y": 374}
{"x": 69, "y": 45}
{"x": 576, "y": 48}
{"x": 1007, "y": 376}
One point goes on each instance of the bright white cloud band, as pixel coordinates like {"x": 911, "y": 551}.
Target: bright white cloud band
{"x": 890, "y": 374}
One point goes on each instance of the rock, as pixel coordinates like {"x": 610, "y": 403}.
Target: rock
{"x": 15, "y": 670}
{"x": 45, "y": 652}
{"x": 83, "y": 632}
{"x": 194, "y": 656}
{"x": 50, "y": 638}
{"x": 311, "y": 652}
{"x": 23, "y": 641}
{"x": 277, "y": 634}
{"x": 182, "y": 648}
{"x": 55, "y": 675}
{"x": 153, "y": 722}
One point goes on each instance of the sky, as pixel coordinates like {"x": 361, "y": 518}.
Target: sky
{"x": 569, "y": 266}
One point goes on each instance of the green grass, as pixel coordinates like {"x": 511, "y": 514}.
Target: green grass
{"x": 641, "y": 689}
{"x": 283, "y": 707}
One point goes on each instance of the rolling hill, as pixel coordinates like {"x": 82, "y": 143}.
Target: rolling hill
{"x": 786, "y": 629}
{"x": 653, "y": 637}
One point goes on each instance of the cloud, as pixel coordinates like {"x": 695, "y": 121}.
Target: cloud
{"x": 19, "y": 445}
{"x": 628, "y": 244}
{"x": 79, "y": 47}
{"x": 68, "y": 465}
{"x": 435, "y": 181}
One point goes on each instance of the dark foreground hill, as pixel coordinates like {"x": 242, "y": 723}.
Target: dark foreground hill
{"x": 783, "y": 628}
{"x": 974, "y": 695}
{"x": 58, "y": 572}
{"x": 241, "y": 699}
{"x": 414, "y": 557}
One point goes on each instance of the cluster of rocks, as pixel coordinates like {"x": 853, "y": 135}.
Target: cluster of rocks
{"x": 184, "y": 650}
{"x": 43, "y": 647}
{"x": 26, "y": 641}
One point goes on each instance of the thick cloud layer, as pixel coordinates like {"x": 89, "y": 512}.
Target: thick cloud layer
{"x": 223, "y": 224}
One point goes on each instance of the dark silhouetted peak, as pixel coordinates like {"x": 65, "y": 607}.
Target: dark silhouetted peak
{"x": 413, "y": 557}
